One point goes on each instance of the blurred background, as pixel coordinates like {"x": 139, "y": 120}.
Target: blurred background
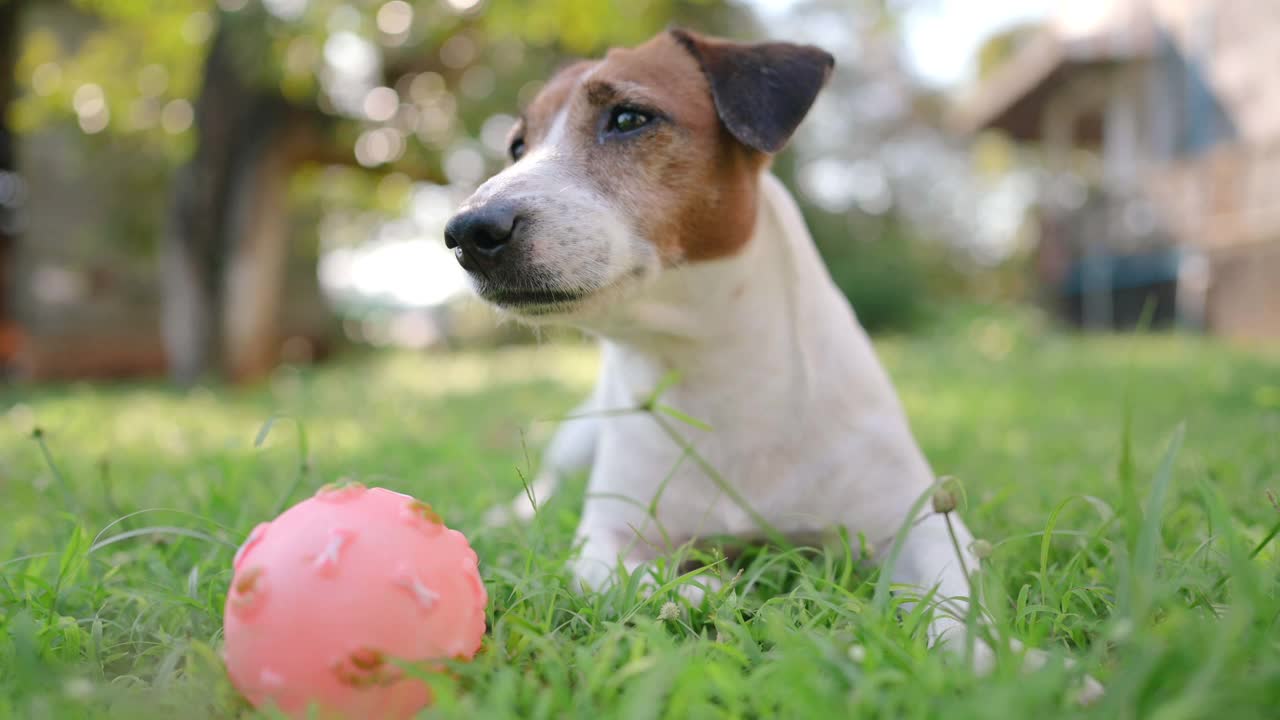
{"x": 197, "y": 188}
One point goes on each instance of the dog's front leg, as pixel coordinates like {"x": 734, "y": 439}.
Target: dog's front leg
{"x": 607, "y": 545}
{"x": 929, "y": 562}
{"x": 603, "y": 549}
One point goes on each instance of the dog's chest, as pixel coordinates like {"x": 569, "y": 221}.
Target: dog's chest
{"x": 803, "y": 457}
{"x": 683, "y": 457}
{"x": 681, "y": 471}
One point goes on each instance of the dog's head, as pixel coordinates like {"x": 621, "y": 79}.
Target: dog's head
{"x": 625, "y": 166}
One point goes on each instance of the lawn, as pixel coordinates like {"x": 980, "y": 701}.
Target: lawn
{"x": 121, "y": 507}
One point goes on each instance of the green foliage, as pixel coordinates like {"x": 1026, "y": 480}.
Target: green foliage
{"x": 141, "y": 55}
{"x": 145, "y": 54}
{"x": 110, "y": 613}
{"x": 875, "y": 264}
{"x": 583, "y": 27}
{"x": 117, "y": 83}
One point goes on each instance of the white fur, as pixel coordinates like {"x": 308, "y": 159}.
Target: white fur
{"x": 805, "y": 422}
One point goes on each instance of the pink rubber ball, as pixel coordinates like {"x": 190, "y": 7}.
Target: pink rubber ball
{"x": 328, "y": 596}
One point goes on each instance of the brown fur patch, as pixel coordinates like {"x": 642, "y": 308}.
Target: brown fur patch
{"x": 536, "y": 119}
{"x": 685, "y": 182}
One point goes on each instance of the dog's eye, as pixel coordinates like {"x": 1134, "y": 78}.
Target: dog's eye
{"x": 624, "y": 119}
{"x": 516, "y": 149}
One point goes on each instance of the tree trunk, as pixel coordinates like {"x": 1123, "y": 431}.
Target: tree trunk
{"x": 224, "y": 250}
{"x": 195, "y": 235}
{"x": 256, "y": 268}
{"x": 10, "y": 193}
{"x": 186, "y": 286}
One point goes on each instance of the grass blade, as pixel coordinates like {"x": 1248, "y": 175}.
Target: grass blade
{"x": 682, "y": 417}
{"x": 1142, "y": 573}
{"x": 304, "y": 462}
{"x": 667, "y": 382}
{"x": 1126, "y": 473}
{"x": 264, "y": 431}
{"x": 1130, "y": 510}
{"x": 160, "y": 530}
{"x": 1046, "y": 542}
{"x": 68, "y": 497}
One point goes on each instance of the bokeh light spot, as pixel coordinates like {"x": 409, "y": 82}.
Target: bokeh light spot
{"x": 379, "y": 146}
{"x": 494, "y": 133}
{"x": 177, "y": 116}
{"x": 458, "y": 51}
{"x": 426, "y": 87}
{"x": 380, "y": 104}
{"x": 395, "y": 17}
{"x": 407, "y": 118}
{"x": 88, "y": 99}
{"x": 286, "y": 9}
{"x": 462, "y": 5}
{"x": 434, "y": 125}
{"x": 91, "y": 108}
{"x": 464, "y": 166}
{"x": 197, "y": 28}
{"x": 13, "y": 189}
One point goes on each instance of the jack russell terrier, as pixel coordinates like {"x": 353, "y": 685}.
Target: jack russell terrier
{"x": 639, "y": 207}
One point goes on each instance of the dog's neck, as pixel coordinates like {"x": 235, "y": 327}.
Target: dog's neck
{"x": 765, "y": 308}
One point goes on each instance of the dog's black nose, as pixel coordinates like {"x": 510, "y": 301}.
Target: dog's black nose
{"x": 479, "y": 236}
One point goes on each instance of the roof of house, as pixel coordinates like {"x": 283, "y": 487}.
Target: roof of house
{"x": 1080, "y": 33}
{"x": 1236, "y": 42}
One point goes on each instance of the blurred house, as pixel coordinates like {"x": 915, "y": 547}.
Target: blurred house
{"x": 1159, "y": 125}
{"x": 80, "y": 213}
{"x": 84, "y": 297}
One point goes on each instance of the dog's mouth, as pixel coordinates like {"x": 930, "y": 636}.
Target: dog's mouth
{"x": 549, "y": 302}
{"x": 533, "y": 301}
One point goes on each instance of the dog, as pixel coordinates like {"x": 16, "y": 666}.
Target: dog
{"x": 639, "y": 207}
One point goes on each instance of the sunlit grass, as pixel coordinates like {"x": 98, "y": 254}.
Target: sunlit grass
{"x": 1030, "y": 422}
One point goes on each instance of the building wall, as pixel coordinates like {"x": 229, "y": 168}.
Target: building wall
{"x": 1244, "y": 292}
{"x": 86, "y": 291}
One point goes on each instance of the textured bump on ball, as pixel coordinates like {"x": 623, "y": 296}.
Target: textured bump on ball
{"x": 330, "y": 599}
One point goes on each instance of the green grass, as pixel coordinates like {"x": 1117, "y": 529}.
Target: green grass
{"x": 1152, "y": 575}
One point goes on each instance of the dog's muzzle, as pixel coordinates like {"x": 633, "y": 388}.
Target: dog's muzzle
{"x": 492, "y": 242}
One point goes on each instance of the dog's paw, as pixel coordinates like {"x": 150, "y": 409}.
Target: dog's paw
{"x": 1090, "y": 691}
{"x": 590, "y": 575}
{"x": 950, "y": 635}
{"x": 595, "y": 576}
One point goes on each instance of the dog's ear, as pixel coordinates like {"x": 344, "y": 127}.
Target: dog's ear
{"x": 761, "y": 90}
